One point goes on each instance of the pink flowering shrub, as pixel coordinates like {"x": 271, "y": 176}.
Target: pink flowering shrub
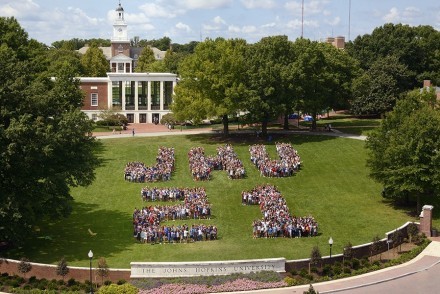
{"x": 236, "y": 285}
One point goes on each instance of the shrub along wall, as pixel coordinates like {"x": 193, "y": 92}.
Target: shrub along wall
{"x": 48, "y": 271}
{"x": 359, "y": 251}
{"x": 83, "y": 273}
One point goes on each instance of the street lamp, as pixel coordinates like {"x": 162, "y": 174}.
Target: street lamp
{"x": 91, "y": 284}
{"x": 330, "y": 242}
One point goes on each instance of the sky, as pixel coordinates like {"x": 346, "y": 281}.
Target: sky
{"x": 194, "y": 20}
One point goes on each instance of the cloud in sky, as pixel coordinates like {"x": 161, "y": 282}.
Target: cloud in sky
{"x": 265, "y": 4}
{"x": 183, "y": 27}
{"x": 407, "y": 15}
{"x": 184, "y": 20}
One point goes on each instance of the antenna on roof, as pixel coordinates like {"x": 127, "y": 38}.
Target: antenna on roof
{"x": 349, "y": 18}
{"x": 302, "y": 19}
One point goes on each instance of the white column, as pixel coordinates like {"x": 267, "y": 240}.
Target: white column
{"x": 149, "y": 95}
{"x": 162, "y": 86}
{"x": 109, "y": 95}
{"x": 174, "y": 86}
{"x": 123, "y": 95}
{"x": 136, "y": 94}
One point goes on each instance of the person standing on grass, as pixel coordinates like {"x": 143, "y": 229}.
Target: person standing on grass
{"x": 133, "y": 132}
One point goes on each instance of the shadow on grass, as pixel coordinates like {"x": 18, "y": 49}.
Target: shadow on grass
{"x": 86, "y": 229}
{"x": 410, "y": 207}
{"x": 245, "y": 138}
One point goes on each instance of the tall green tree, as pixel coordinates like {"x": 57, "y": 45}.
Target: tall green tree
{"x": 94, "y": 62}
{"x": 146, "y": 59}
{"x": 45, "y": 141}
{"x": 417, "y": 48}
{"x": 378, "y": 88}
{"x": 323, "y": 74}
{"x": 404, "y": 151}
{"x": 215, "y": 73}
{"x": 58, "y": 59}
{"x": 268, "y": 81}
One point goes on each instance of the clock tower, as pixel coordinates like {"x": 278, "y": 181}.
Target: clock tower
{"x": 120, "y": 41}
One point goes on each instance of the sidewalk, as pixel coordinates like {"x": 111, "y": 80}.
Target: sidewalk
{"x": 402, "y": 279}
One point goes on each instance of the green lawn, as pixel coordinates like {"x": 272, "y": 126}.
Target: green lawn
{"x": 333, "y": 186}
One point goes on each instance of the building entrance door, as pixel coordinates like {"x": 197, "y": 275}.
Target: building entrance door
{"x": 143, "y": 118}
{"x": 155, "y": 118}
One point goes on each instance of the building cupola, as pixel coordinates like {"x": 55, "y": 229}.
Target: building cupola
{"x": 120, "y": 12}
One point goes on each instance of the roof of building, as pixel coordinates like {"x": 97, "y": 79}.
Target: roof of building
{"x": 158, "y": 54}
{"x": 121, "y": 57}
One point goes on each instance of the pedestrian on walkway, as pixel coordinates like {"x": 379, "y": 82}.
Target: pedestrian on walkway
{"x": 133, "y": 132}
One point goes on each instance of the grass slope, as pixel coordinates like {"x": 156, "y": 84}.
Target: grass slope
{"x": 333, "y": 186}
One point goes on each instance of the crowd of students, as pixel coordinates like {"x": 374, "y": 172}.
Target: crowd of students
{"x": 176, "y": 234}
{"x": 161, "y": 171}
{"x": 195, "y": 205}
{"x": 229, "y": 161}
{"x": 226, "y": 159}
{"x": 277, "y": 220}
{"x": 288, "y": 163}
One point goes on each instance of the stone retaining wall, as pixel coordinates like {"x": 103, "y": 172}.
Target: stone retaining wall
{"x": 83, "y": 273}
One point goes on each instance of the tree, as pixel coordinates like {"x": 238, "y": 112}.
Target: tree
{"x": 46, "y": 142}
{"x": 58, "y": 59}
{"x": 348, "y": 251}
{"x": 397, "y": 239}
{"x": 412, "y": 230}
{"x": 377, "y": 90}
{"x": 173, "y": 59}
{"x": 268, "y": 69}
{"x": 417, "y": 48}
{"x": 146, "y": 59}
{"x": 94, "y": 62}
{"x": 315, "y": 256}
{"x": 311, "y": 290}
{"x": 168, "y": 119}
{"x": 324, "y": 74}
{"x": 189, "y": 105}
{"x": 102, "y": 270}
{"x": 24, "y": 266}
{"x": 215, "y": 74}
{"x": 403, "y": 153}
{"x": 375, "y": 247}
{"x": 62, "y": 268}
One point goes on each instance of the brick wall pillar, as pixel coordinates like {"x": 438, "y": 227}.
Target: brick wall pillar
{"x": 426, "y": 220}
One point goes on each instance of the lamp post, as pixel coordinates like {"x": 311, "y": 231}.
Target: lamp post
{"x": 91, "y": 284}
{"x": 330, "y": 242}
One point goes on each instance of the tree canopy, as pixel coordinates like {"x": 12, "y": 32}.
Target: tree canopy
{"x": 214, "y": 73}
{"x": 404, "y": 151}
{"x": 323, "y": 75}
{"x": 268, "y": 77}
{"x": 417, "y": 48}
{"x": 94, "y": 62}
{"x": 146, "y": 60}
{"x": 379, "y": 87}
{"x": 45, "y": 140}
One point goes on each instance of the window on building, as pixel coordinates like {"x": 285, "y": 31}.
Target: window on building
{"x": 94, "y": 97}
{"x": 129, "y": 95}
{"x": 94, "y": 116}
{"x": 155, "y": 95}
{"x": 168, "y": 94}
{"x": 117, "y": 94}
{"x": 120, "y": 67}
{"x": 142, "y": 94}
